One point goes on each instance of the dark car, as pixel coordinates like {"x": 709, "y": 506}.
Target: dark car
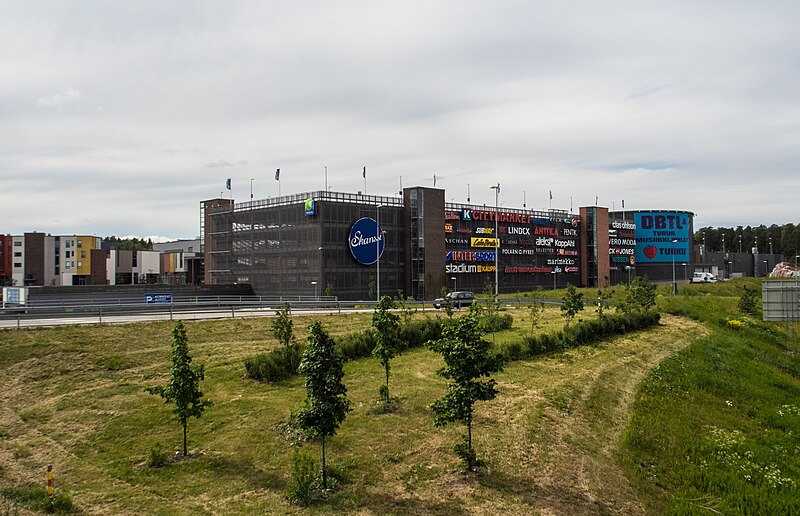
{"x": 457, "y": 299}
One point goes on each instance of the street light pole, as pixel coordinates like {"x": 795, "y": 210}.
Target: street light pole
{"x": 455, "y": 285}
{"x": 496, "y": 189}
{"x": 674, "y": 285}
{"x": 378, "y": 249}
{"x": 316, "y": 297}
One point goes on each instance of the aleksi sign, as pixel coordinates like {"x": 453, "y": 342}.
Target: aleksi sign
{"x": 366, "y": 241}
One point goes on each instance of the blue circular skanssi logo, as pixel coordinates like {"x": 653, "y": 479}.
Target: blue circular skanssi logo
{"x": 366, "y": 241}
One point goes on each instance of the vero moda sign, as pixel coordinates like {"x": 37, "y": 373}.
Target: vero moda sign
{"x": 366, "y": 241}
{"x": 662, "y": 236}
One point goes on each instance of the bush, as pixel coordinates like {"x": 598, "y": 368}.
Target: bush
{"x": 282, "y": 363}
{"x": 581, "y": 334}
{"x": 301, "y": 477}
{"x": 157, "y": 457}
{"x": 276, "y": 365}
{"x": 356, "y": 345}
{"x": 494, "y": 321}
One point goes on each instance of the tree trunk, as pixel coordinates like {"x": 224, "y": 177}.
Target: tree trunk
{"x": 324, "y": 472}
{"x": 469, "y": 434}
{"x": 387, "y": 376}
{"x": 184, "y": 439}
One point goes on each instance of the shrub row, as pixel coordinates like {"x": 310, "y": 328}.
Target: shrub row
{"x": 580, "y": 334}
{"x": 278, "y": 364}
{"x": 282, "y": 363}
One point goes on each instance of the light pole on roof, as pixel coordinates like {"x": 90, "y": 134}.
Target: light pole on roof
{"x": 496, "y": 189}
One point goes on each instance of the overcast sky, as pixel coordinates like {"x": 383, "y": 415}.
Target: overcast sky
{"x": 120, "y": 117}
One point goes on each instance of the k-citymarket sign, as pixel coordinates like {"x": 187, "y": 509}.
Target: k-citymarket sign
{"x": 366, "y": 241}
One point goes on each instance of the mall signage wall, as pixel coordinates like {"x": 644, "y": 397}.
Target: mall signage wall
{"x": 655, "y": 232}
{"x": 366, "y": 241}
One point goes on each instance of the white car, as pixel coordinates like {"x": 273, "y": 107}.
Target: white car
{"x": 704, "y": 277}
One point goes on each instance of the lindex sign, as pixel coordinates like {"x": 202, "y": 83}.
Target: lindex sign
{"x": 366, "y": 241}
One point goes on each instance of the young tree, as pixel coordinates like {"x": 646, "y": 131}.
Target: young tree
{"x": 640, "y": 296}
{"x": 748, "y": 302}
{"x": 604, "y": 295}
{"x": 468, "y": 366}
{"x": 184, "y": 386}
{"x": 326, "y": 404}
{"x": 535, "y": 312}
{"x": 571, "y": 304}
{"x": 447, "y": 303}
{"x": 387, "y": 325}
{"x": 283, "y": 326}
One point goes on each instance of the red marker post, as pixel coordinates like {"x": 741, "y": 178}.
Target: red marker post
{"x": 49, "y": 481}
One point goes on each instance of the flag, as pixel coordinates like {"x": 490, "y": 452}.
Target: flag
{"x": 277, "y": 174}
{"x": 623, "y": 204}
{"x": 364, "y": 174}
{"x": 551, "y": 195}
{"x": 434, "y": 179}
{"x": 228, "y": 183}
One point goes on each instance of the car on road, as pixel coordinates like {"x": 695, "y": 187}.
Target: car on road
{"x": 457, "y": 299}
{"x": 703, "y": 277}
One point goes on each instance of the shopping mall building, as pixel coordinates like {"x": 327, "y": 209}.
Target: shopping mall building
{"x": 354, "y": 246}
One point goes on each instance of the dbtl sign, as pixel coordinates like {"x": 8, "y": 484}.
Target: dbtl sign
{"x": 366, "y": 241}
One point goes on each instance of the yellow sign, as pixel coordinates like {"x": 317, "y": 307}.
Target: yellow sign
{"x": 484, "y": 242}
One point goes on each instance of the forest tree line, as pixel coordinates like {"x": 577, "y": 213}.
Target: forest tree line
{"x": 774, "y": 239}
{"x": 130, "y": 244}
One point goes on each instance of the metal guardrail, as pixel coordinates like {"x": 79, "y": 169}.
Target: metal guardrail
{"x": 249, "y": 305}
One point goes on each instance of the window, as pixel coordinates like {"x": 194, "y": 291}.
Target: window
{"x": 17, "y": 265}
{"x": 83, "y": 254}
{"x": 17, "y": 244}
{"x": 80, "y": 243}
{"x": 18, "y": 254}
{"x": 80, "y": 264}
{"x": 66, "y": 244}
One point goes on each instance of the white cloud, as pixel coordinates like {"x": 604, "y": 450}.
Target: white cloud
{"x": 633, "y": 101}
{"x": 58, "y": 100}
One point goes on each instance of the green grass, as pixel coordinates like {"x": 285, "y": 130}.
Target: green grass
{"x": 714, "y": 428}
{"x": 74, "y": 397}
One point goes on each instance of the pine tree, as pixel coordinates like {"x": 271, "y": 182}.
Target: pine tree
{"x": 184, "y": 386}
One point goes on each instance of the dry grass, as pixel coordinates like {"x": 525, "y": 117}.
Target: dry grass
{"x": 74, "y": 397}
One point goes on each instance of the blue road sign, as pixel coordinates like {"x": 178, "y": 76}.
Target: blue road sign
{"x": 151, "y": 299}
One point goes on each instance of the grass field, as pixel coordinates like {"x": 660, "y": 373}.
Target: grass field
{"x": 74, "y": 397}
{"x": 714, "y": 428}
